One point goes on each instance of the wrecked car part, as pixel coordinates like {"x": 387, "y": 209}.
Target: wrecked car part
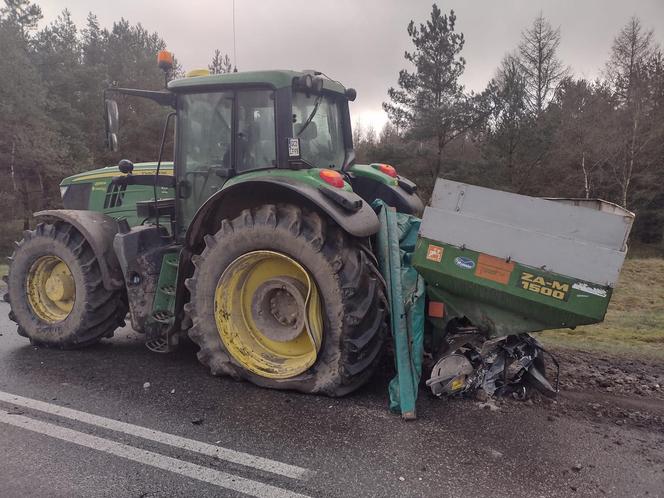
{"x": 536, "y": 377}
{"x": 450, "y": 375}
{"x": 501, "y": 367}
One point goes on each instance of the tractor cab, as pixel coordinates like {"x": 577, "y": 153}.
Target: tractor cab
{"x": 239, "y": 123}
{"x": 234, "y": 124}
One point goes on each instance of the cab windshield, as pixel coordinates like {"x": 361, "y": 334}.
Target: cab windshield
{"x": 317, "y": 123}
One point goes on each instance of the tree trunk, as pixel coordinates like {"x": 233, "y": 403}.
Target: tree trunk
{"x": 42, "y": 197}
{"x": 11, "y": 165}
{"x": 630, "y": 163}
{"x": 25, "y": 201}
{"x": 511, "y": 152}
{"x": 586, "y": 180}
{"x": 439, "y": 157}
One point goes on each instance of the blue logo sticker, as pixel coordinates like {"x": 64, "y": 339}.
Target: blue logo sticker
{"x": 465, "y": 263}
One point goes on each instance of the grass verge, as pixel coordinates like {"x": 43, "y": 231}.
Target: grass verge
{"x": 634, "y": 323}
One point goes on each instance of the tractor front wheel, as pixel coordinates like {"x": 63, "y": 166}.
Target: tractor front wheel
{"x": 56, "y": 292}
{"x": 284, "y": 298}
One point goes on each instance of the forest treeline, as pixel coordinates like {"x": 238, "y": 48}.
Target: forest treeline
{"x": 536, "y": 128}
{"x": 52, "y": 81}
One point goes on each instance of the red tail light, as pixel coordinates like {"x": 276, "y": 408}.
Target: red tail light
{"x": 332, "y": 177}
{"x": 387, "y": 169}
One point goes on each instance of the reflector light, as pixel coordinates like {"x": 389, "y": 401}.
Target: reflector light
{"x": 332, "y": 177}
{"x": 458, "y": 382}
{"x": 436, "y": 309}
{"x": 388, "y": 170}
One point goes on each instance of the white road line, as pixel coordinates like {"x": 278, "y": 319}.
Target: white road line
{"x": 198, "y": 472}
{"x": 238, "y": 457}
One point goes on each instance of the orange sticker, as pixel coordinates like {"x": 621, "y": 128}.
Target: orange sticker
{"x": 434, "y": 253}
{"x": 494, "y": 269}
{"x": 436, "y": 309}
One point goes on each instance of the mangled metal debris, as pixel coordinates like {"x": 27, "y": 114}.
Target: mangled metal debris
{"x": 506, "y": 366}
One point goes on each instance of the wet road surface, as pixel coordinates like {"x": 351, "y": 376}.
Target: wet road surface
{"x": 81, "y": 423}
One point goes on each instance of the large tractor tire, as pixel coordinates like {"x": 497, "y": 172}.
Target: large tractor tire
{"x": 56, "y": 292}
{"x": 283, "y": 298}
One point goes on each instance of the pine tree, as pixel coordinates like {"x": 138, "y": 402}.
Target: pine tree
{"x": 94, "y": 79}
{"x": 21, "y": 13}
{"x": 58, "y": 57}
{"x": 220, "y": 64}
{"x": 508, "y": 121}
{"x": 29, "y": 147}
{"x": 430, "y": 102}
{"x": 131, "y": 61}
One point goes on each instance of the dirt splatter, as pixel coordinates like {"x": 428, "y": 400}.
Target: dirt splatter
{"x": 600, "y": 387}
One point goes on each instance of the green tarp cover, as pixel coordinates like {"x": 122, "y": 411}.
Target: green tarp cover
{"x": 405, "y": 288}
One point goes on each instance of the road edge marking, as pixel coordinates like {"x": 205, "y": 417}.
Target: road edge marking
{"x": 227, "y": 454}
{"x": 145, "y": 457}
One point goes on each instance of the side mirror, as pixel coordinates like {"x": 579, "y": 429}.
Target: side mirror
{"x": 112, "y": 120}
{"x": 126, "y": 166}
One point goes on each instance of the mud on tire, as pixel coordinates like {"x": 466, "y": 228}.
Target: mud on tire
{"x": 96, "y": 312}
{"x": 351, "y": 290}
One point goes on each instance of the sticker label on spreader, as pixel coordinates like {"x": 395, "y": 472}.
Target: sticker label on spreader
{"x": 589, "y": 289}
{"x": 495, "y": 269}
{"x": 464, "y": 262}
{"x": 434, "y": 253}
{"x": 544, "y": 285}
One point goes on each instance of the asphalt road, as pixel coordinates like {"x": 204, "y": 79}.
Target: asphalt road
{"x": 81, "y": 423}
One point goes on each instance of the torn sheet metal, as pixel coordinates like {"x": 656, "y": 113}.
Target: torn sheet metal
{"x": 506, "y": 366}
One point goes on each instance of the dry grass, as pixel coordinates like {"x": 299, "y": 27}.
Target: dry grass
{"x": 634, "y": 323}
{"x": 3, "y": 271}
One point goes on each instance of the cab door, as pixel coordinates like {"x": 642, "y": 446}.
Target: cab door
{"x": 204, "y": 149}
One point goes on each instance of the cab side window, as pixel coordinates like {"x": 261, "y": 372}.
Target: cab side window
{"x": 255, "y": 139}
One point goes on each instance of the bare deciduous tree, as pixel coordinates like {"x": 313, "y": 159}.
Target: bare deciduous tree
{"x": 627, "y": 71}
{"x": 541, "y": 67}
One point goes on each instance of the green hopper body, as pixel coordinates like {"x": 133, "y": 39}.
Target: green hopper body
{"x": 515, "y": 264}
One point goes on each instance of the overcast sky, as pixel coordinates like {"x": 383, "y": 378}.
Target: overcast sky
{"x": 361, "y": 42}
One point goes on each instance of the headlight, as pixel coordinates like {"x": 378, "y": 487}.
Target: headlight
{"x": 63, "y": 190}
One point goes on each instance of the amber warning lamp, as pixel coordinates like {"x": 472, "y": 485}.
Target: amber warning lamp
{"x": 165, "y": 60}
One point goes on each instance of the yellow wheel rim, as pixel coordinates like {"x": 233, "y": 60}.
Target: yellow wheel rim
{"x": 268, "y": 314}
{"x": 51, "y": 289}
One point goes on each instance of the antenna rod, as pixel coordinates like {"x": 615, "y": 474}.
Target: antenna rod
{"x": 234, "y": 45}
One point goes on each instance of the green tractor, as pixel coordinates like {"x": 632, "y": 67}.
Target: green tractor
{"x": 256, "y": 240}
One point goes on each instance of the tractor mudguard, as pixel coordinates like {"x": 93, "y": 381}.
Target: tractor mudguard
{"x": 402, "y": 196}
{"x": 347, "y": 209}
{"x": 98, "y": 230}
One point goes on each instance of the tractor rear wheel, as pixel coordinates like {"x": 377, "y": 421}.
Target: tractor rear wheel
{"x": 56, "y": 292}
{"x": 284, "y": 298}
